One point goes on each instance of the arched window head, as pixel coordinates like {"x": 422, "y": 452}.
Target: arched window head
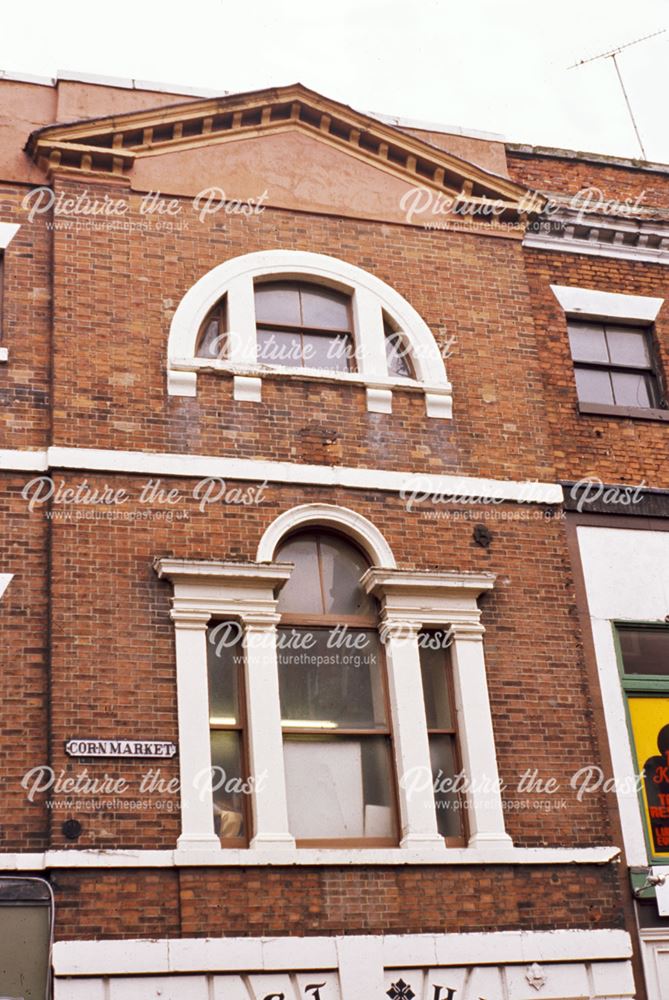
{"x": 326, "y": 578}
{"x": 334, "y": 699}
{"x": 309, "y": 315}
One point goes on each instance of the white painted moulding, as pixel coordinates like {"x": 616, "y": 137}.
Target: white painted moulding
{"x": 596, "y": 304}
{"x": 81, "y": 958}
{"x": 248, "y": 469}
{"x": 230, "y": 858}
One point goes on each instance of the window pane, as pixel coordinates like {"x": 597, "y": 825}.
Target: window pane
{"x": 329, "y": 679}
{"x": 276, "y": 347}
{"x": 302, "y": 592}
{"x": 631, "y": 389}
{"x": 227, "y": 778}
{"x": 329, "y": 352}
{"x": 324, "y": 309}
{"x": 645, "y": 651}
{"x": 276, "y": 303}
{"x": 338, "y": 788}
{"x": 447, "y": 801}
{"x": 397, "y": 356}
{"x": 225, "y": 658}
{"x": 587, "y": 342}
{"x": 342, "y": 565}
{"x": 433, "y": 665}
{"x": 593, "y": 386}
{"x": 627, "y": 346}
{"x": 212, "y": 339}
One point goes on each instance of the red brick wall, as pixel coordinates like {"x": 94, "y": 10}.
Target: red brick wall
{"x": 614, "y": 449}
{"x": 248, "y": 902}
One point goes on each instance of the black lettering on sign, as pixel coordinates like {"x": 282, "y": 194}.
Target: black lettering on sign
{"x": 315, "y": 989}
{"x": 450, "y": 993}
{"x": 275, "y": 996}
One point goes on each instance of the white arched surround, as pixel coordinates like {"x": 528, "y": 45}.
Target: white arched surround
{"x": 328, "y": 515}
{"x": 371, "y": 298}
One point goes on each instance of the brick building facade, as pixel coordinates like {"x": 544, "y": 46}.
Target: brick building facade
{"x": 162, "y": 472}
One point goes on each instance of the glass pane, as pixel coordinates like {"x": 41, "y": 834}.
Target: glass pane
{"x": 330, "y": 678}
{"x": 225, "y": 659}
{"x": 329, "y": 352}
{"x": 645, "y": 651}
{"x": 213, "y": 341}
{"x": 628, "y": 346}
{"x": 277, "y": 347}
{"x": 324, "y": 309}
{"x": 631, "y": 389}
{"x": 397, "y": 356}
{"x": 342, "y": 565}
{"x": 447, "y": 801}
{"x": 587, "y": 342}
{"x": 338, "y": 788}
{"x": 593, "y": 386}
{"x": 228, "y": 783}
{"x": 277, "y": 303}
{"x": 302, "y": 592}
{"x": 433, "y": 665}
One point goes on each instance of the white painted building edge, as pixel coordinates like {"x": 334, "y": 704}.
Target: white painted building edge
{"x": 8, "y": 231}
{"x": 100, "y": 958}
{"x": 591, "y": 302}
{"x": 627, "y": 578}
{"x": 5, "y": 580}
{"x": 248, "y": 857}
{"x": 256, "y": 470}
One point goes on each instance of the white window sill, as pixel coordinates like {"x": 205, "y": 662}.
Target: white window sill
{"x": 4, "y": 354}
{"x": 224, "y": 858}
{"x": 182, "y": 375}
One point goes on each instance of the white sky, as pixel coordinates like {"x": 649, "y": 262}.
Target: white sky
{"x": 494, "y": 65}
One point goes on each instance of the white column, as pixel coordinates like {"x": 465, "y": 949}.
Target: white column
{"x": 477, "y": 742}
{"x": 270, "y": 810}
{"x": 418, "y": 816}
{"x": 197, "y": 811}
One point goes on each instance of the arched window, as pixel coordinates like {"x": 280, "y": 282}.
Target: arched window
{"x": 264, "y": 313}
{"x": 334, "y": 700}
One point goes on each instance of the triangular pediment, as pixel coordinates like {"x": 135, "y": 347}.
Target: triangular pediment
{"x": 125, "y": 145}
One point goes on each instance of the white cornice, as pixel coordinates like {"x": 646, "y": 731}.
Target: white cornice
{"x": 231, "y": 858}
{"x": 468, "y": 488}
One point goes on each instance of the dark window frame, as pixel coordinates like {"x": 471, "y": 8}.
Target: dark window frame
{"x": 650, "y": 373}
{"x": 302, "y": 330}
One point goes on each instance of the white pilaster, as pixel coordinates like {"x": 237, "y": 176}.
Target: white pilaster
{"x": 371, "y": 345}
{"x": 241, "y": 321}
{"x": 270, "y": 809}
{"x": 197, "y": 813}
{"x": 418, "y": 819}
{"x": 477, "y": 742}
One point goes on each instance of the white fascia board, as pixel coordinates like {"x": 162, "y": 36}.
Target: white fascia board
{"x": 23, "y": 460}
{"x": 245, "y": 857}
{"x": 100, "y": 958}
{"x": 206, "y": 466}
{"x": 595, "y": 304}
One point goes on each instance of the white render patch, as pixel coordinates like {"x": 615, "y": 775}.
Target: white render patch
{"x": 564, "y": 964}
{"x": 248, "y": 469}
{"x": 591, "y": 303}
